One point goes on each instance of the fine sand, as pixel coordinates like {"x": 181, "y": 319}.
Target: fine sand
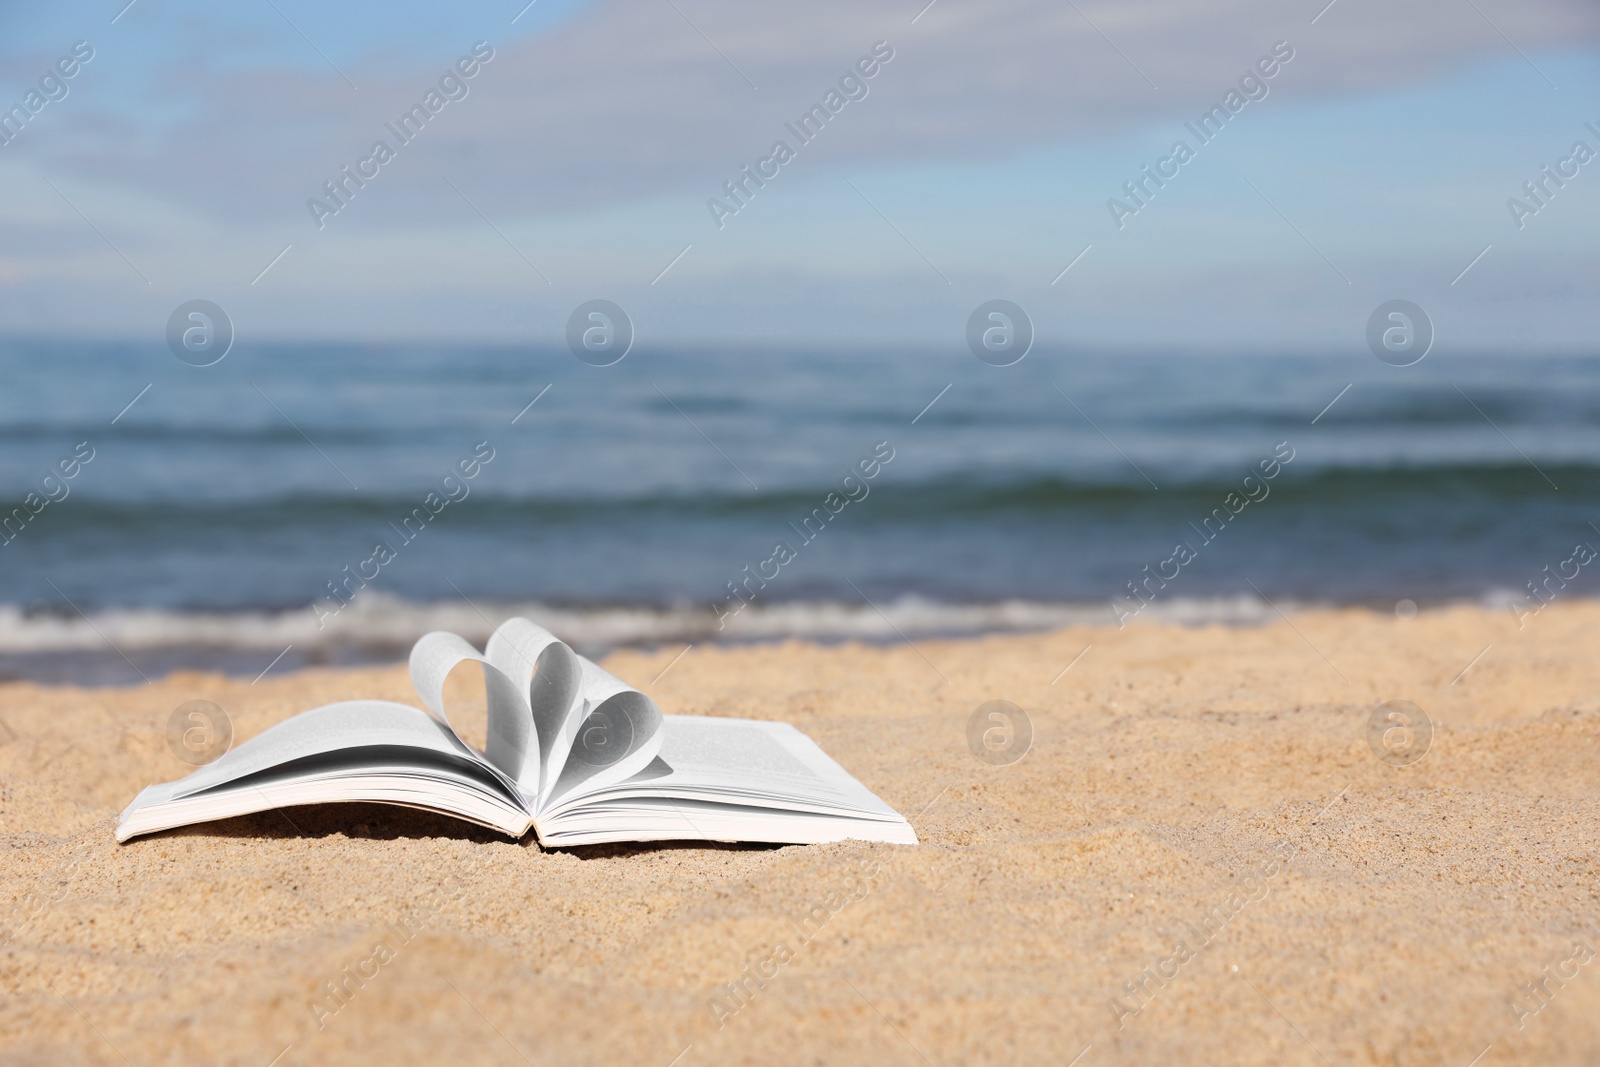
{"x": 1201, "y": 860}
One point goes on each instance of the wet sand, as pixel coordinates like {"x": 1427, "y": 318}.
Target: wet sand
{"x": 1200, "y": 859}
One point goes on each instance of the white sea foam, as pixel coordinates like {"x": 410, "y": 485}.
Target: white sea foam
{"x": 374, "y": 620}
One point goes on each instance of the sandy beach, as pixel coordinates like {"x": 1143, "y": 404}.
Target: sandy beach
{"x": 1201, "y": 859}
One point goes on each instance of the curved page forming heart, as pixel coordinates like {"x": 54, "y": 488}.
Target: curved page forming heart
{"x": 556, "y": 721}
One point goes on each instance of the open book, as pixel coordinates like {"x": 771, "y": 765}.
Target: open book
{"x": 573, "y": 752}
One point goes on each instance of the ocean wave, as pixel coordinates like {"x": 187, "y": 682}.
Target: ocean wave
{"x": 954, "y": 495}
{"x": 167, "y": 433}
{"x": 377, "y": 621}
{"x": 1408, "y": 409}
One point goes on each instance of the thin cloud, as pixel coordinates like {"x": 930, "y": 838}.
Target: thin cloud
{"x": 629, "y": 101}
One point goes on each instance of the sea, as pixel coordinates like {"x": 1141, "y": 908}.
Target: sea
{"x": 230, "y": 517}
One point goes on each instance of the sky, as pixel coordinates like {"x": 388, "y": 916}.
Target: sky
{"x": 585, "y": 158}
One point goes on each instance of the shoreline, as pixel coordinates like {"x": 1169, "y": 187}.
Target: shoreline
{"x": 126, "y": 645}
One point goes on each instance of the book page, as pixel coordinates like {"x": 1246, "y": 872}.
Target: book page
{"x": 512, "y": 746}
{"x": 559, "y": 724}
{"x": 747, "y": 760}
{"x": 551, "y": 675}
{"x": 347, "y": 725}
{"x": 615, "y": 734}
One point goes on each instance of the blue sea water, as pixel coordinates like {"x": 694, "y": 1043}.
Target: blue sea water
{"x": 218, "y": 508}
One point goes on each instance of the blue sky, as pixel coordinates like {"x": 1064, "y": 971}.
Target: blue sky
{"x": 978, "y": 166}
